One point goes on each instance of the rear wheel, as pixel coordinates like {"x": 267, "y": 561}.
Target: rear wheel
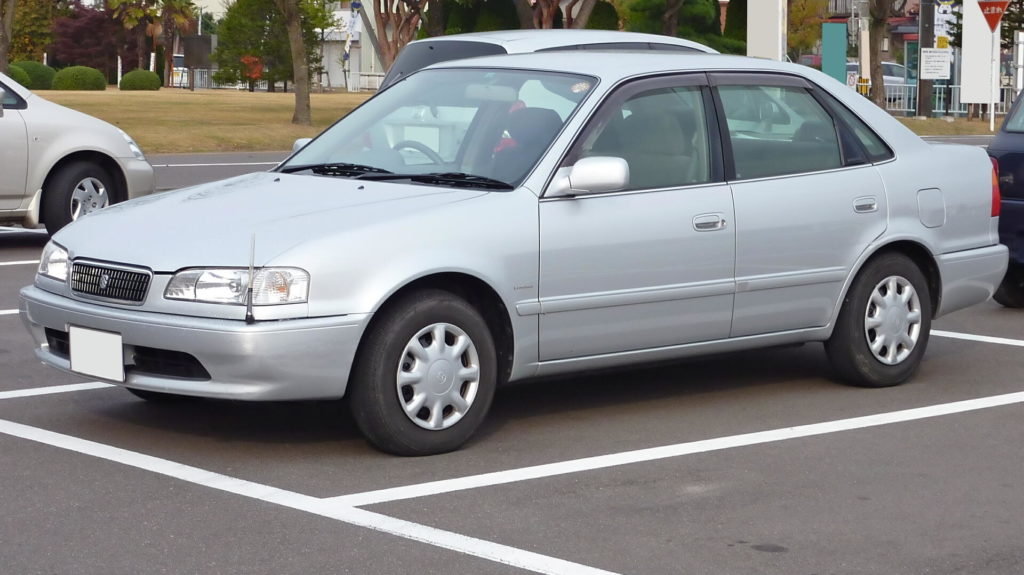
{"x": 1011, "y": 290}
{"x": 425, "y": 375}
{"x": 883, "y": 326}
{"x": 74, "y": 191}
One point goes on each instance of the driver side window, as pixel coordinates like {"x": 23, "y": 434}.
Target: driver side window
{"x": 662, "y": 135}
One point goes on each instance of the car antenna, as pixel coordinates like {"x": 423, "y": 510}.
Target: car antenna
{"x": 249, "y": 318}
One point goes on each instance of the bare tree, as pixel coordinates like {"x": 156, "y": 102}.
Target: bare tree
{"x": 879, "y": 12}
{"x": 6, "y": 31}
{"x": 578, "y": 18}
{"x": 525, "y": 12}
{"x": 300, "y": 65}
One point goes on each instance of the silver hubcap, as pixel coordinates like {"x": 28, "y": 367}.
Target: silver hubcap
{"x": 438, "y": 376}
{"x": 892, "y": 321}
{"x": 88, "y": 196}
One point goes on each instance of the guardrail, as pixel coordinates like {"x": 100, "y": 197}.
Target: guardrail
{"x": 945, "y": 100}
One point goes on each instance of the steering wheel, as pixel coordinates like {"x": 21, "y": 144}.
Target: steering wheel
{"x": 421, "y": 148}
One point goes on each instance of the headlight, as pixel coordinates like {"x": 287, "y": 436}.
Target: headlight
{"x": 135, "y": 149}
{"x": 54, "y": 262}
{"x": 270, "y": 286}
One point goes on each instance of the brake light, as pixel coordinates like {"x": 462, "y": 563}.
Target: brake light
{"x": 996, "y": 197}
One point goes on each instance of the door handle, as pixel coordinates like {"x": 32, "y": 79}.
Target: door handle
{"x": 708, "y": 222}
{"x": 865, "y": 205}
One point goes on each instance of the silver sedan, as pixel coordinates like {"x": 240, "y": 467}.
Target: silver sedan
{"x": 508, "y": 217}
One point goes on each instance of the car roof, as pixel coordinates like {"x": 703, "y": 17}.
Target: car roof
{"x": 614, "y": 65}
{"x": 520, "y": 41}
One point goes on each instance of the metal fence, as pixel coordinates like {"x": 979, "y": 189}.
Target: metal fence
{"x": 945, "y": 100}
{"x": 204, "y": 80}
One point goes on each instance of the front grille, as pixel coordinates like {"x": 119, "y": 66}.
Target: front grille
{"x": 109, "y": 282}
{"x": 167, "y": 363}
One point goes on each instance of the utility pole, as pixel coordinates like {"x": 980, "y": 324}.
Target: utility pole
{"x": 927, "y": 40}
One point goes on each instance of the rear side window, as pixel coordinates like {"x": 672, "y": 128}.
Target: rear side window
{"x": 778, "y": 130}
{"x": 419, "y": 55}
{"x": 876, "y": 148}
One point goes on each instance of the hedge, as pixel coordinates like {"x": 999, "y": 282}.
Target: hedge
{"x": 140, "y": 80}
{"x": 40, "y": 75}
{"x": 79, "y": 78}
{"x": 19, "y": 75}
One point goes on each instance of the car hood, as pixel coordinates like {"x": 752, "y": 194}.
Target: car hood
{"x": 215, "y": 224}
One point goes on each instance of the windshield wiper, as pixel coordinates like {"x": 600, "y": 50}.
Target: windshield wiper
{"x": 336, "y": 169}
{"x": 454, "y": 179}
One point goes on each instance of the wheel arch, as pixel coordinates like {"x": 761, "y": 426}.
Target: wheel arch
{"x": 920, "y": 255}
{"x": 120, "y": 191}
{"x": 480, "y": 295}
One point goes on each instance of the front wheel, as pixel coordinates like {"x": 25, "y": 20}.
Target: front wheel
{"x": 883, "y": 326}
{"x": 425, "y": 375}
{"x": 74, "y": 191}
{"x": 1011, "y": 290}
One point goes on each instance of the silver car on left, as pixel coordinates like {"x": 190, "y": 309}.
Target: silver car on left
{"x": 58, "y": 164}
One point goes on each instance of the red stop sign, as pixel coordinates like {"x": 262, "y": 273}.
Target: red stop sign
{"x": 993, "y": 11}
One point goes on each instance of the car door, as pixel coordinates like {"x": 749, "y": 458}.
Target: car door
{"x": 650, "y": 265}
{"x": 13, "y": 152}
{"x": 808, "y": 201}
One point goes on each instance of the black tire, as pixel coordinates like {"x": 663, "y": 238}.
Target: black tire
{"x": 75, "y": 190}
{"x": 158, "y": 396}
{"x": 848, "y": 349}
{"x": 378, "y": 403}
{"x": 1011, "y": 289}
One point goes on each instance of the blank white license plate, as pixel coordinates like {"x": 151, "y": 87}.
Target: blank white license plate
{"x": 96, "y": 353}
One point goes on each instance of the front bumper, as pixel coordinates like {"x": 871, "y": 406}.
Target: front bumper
{"x": 264, "y": 361}
{"x": 139, "y": 177}
{"x": 970, "y": 277}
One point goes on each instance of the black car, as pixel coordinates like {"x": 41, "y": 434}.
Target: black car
{"x": 1007, "y": 149}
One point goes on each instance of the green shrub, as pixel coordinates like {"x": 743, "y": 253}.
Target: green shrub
{"x": 604, "y": 17}
{"x": 40, "y": 75}
{"x": 79, "y": 78}
{"x": 18, "y": 75}
{"x": 140, "y": 80}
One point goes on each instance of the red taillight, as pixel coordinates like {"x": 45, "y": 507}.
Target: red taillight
{"x": 996, "y": 197}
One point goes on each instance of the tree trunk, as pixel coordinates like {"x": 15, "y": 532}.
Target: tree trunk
{"x": 300, "y": 67}
{"x": 397, "y": 21}
{"x": 544, "y": 15}
{"x": 670, "y": 18}
{"x": 6, "y": 31}
{"x": 878, "y": 21}
{"x": 525, "y": 13}
{"x": 583, "y": 15}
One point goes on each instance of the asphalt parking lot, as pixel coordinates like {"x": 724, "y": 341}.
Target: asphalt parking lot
{"x": 747, "y": 463}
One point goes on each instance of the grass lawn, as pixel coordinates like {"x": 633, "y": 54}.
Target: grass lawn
{"x": 173, "y": 120}
{"x": 177, "y": 121}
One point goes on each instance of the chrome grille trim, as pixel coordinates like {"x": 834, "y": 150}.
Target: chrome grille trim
{"x": 110, "y": 282}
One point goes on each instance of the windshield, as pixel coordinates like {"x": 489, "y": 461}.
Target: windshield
{"x": 487, "y": 124}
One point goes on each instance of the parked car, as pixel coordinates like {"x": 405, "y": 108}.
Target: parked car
{"x": 59, "y": 164}
{"x": 897, "y": 85}
{"x": 530, "y": 215}
{"x": 1007, "y": 152}
{"x": 422, "y": 53}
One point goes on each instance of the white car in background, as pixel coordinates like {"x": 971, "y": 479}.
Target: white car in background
{"x": 58, "y": 164}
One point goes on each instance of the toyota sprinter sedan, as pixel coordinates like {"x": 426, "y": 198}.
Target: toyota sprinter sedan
{"x": 507, "y": 217}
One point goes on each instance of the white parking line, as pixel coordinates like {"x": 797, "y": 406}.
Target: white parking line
{"x": 21, "y": 263}
{"x": 981, "y": 338}
{"x": 425, "y": 534}
{"x": 33, "y": 391}
{"x": 8, "y": 311}
{"x": 669, "y": 451}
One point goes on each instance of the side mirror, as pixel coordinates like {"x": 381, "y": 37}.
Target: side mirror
{"x": 592, "y": 175}
{"x": 300, "y": 143}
